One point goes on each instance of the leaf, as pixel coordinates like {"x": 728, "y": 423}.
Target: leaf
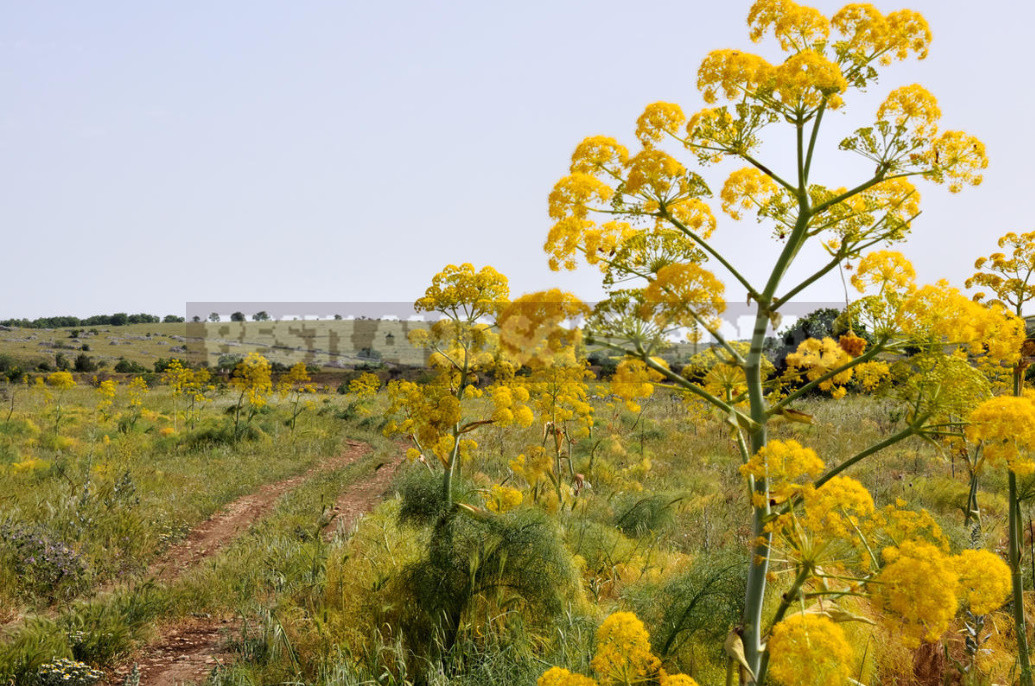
{"x": 471, "y": 426}
{"x": 797, "y": 416}
{"x": 734, "y": 647}
{"x": 473, "y": 512}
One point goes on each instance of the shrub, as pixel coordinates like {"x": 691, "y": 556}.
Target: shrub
{"x": 46, "y": 566}
{"x": 84, "y": 364}
{"x": 639, "y": 515}
{"x": 124, "y": 366}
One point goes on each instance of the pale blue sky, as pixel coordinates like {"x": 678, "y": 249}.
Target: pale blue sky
{"x": 159, "y": 153}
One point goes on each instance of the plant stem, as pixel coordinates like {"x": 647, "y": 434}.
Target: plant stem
{"x": 1018, "y": 586}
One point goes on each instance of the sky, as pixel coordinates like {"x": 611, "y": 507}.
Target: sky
{"x": 156, "y": 154}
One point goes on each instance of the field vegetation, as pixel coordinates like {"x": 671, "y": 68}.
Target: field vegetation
{"x": 845, "y": 502}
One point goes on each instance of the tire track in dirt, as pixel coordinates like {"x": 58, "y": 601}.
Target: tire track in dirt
{"x": 216, "y": 532}
{"x": 186, "y": 652}
{"x": 212, "y": 535}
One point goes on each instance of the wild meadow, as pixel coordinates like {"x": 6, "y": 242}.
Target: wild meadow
{"x": 560, "y": 497}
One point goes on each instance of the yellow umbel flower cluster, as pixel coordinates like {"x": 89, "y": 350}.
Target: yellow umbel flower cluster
{"x": 659, "y": 119}
{"x": 465, "y": 293}
{"x": 535, "y": 329}
{"x": 252, "y": 378}
{"x": 1009, "y": 277}
{"x": 748, "y": 188}
{"x": 923, "y": 586}
{"x": 1005, "y": 426}
{"x": 62, "y": 381}
{"x": 940, "y": 314}
{"x": 984, "y": 580}
{"x": 794, "y": 26}
{"x": 633, "y": 381}
{"x": 502, "y": 499}
{"x": 869, "y": 35}
{"x": 809, "y": 650}
{"x": 558, "y": 676}
{"x": 428, "y": 412}
{"x": 883, "y": 271}
{"x": 918, "y": 583}
{"x": 819, "y": 357}
{"x": 106, "y": 392}
{"x": 837, "y": 510}
{"x": 685, "y": 294}
{"x": 787, "y": 465}
{"x": 622, "y": 657}
{"x": 870, "y": 375}
{"x": 623, "y": 653}
{"x": 366, "y": 385}
{"x": 509, "y": 406}
{"x": 914, "y": 108}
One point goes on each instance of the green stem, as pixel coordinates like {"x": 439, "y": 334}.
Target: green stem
{"x": 711, "y": 251}
{"x": 1018, "y": 586}
{"x": 1015, "y": 541}
{"x": 758, "y": 567}
{"x": 812, "y": 141}
{"x": 972, "y": 513}
{"x": 889, "y": 441}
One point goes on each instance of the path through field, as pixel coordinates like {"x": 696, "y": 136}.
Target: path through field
{"x": 220, "y": 529}
{"x": 187, "y": 651}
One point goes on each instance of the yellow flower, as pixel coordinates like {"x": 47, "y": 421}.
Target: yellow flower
{"x": 623, "y": 653}
{"x": 919, "y": 584}
{"x": 61, "y": 380}
{"x": 29, "y": 464}
{"x": 984, "y": 580}
{"x": 658, "y": 119}
{"x": 912, "y": 107}
{"x": 683, "y": 293}
{"x": 364, "y": 386}
{"x": 835, "y": 511}
{"x": 734, "y": 74}
{"x": 869, "y": 35}
{"x": 653, "y": 173}
{"x": 502, "y": 498}
{"x": 899, "y": 525}
{"x": 557, "y": 676}
{"x": 597, "y": 153}
{"x": 809, "y": 650}
{"x": 794, "y": 26}
{"x": 1008, "y": 277}
{"x": 252, "y": 378}
{"x": 1006, "y": 428}
{"x": 786, "y": 464}
{"x": 748, "y": 188}
{"x": 870, "y": 375}
{"x": 819, "y": 357}
{"x": 675, "y": 680}
{"x": 808, "y": 79}
{"x": 884, "y": 270}
{"x": 633, "y": 380}
{"x": 461, "y": 288}
{"x": 957, "y": 158}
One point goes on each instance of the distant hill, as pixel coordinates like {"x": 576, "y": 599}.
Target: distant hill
{"x": 326, "y": 343}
